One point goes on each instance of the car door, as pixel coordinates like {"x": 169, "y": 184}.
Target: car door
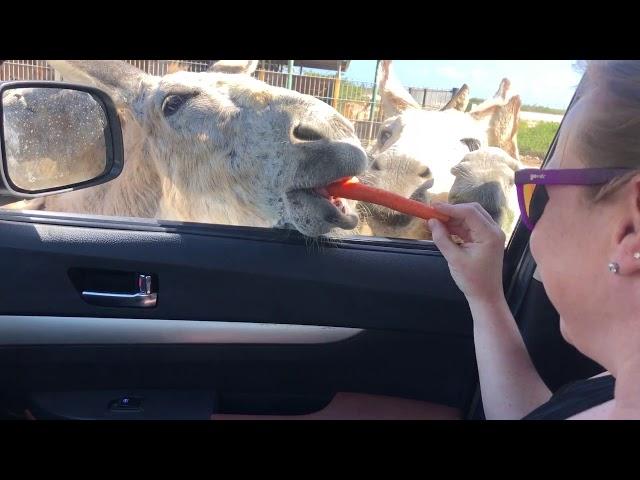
{"x": 247, "y": 320}
{"x": 114, "y": 317}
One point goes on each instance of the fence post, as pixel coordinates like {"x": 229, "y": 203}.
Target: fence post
{"x": 336, "y": 86}
{"x": 290, "y": 75}
{"x": 373, "y": 101}
{"x": 262, "y": 70}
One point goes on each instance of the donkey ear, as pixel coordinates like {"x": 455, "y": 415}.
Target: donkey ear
{"x": 503, "y": 89}
{"x": 395, "y": 98}
{"x": 234, "y": 66}
{"x": 121, "y": 80}
{"x": 501, "y": 121}
{"x": 501, "y": 96}
{"x": 460, "y": 100}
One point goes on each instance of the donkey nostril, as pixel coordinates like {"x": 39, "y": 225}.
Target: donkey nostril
{"x": 307, "y": 134}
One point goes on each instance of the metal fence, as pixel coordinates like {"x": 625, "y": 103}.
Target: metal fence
{"x": 26, "y": 70}
{"x": 431, "y": 99}
{"x": 352, "y": 99}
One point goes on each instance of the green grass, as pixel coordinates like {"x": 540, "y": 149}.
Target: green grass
{"x": 539, "y": 109}
{"x": 536, "y": 140}
{"x": 524, "y": 108}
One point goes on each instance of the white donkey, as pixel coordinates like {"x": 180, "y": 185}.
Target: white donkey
{"x": 219, "y": 147}
{"x": 417, "y": 152}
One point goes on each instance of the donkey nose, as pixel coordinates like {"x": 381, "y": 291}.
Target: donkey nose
{"x": 307, "y": 133}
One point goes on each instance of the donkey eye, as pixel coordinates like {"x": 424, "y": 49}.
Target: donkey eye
{"x": 172, "y": 103}
{"x": 472, "y": 144}
{"x": 385, "y": 135}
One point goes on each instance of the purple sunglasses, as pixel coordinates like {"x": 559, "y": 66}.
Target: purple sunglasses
{"x": 532, "y": 200}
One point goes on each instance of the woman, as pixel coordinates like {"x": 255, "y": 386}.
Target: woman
{"x": 585, "y": 219}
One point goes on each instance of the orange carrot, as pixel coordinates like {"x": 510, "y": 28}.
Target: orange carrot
{"x": 355, "y": 190}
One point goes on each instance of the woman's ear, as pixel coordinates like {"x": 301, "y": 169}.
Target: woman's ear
{"x": 627, "y": 251}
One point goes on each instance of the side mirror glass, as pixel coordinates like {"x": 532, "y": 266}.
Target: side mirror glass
{"x": 57, "y": 137}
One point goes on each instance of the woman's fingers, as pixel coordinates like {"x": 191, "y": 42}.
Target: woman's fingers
{"x": 467, "y": 220}
{"x": 442, "y": 240}
{"x": 476, "y": 265}
{"x": 471, "y": 213}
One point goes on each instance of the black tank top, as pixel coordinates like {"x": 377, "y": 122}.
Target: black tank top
{"x": 574, "y": 398}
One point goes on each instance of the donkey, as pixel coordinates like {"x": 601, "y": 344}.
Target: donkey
{"x": 416, "y": 152}
{"x": 219, "y": 147}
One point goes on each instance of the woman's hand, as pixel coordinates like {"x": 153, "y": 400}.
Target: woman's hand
{"x": 476, "y": 264}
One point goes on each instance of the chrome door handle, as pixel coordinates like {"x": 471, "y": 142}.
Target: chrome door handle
{"x": 143, "y": 298}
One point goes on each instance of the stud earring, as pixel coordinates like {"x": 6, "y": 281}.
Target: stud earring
{"x": 614, "y": 267}
{"x": 636, "y": 255}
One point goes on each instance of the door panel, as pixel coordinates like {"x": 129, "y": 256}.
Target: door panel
{"x": 240, "y": 311}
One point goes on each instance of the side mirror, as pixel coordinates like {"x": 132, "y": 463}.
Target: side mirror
{"x": 57, "y": 137}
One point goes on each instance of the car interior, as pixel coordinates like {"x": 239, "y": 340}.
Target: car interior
{"x": 114, "y": 318}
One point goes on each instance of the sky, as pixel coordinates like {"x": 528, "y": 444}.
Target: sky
{"x": 548, "y": 83}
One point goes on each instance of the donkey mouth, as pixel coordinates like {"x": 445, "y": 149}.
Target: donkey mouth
{"x": 331, "y": 210}
{"x": 335, "y": 201}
